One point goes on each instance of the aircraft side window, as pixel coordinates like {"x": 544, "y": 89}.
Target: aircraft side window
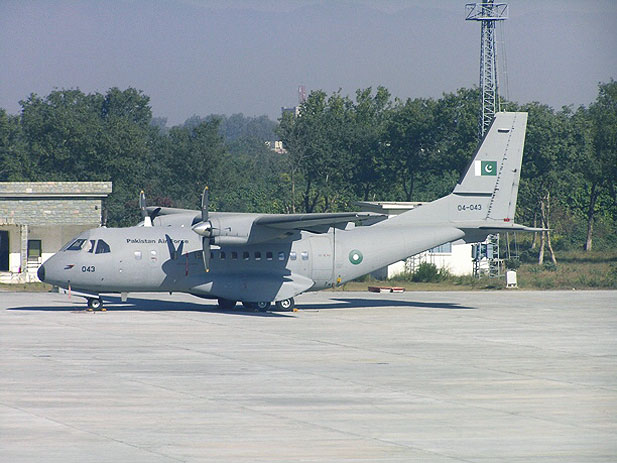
{"x": 269, "y": 255}
{"x": 281, "y": 255}
{"x": 292, "y": 255}
{"x": 304, "y": 255}
{"x": 153, "y": 256}
{"x": 234, "y": 255}
{"x": 102, "y": 247}
{"x": 245, "y": 255}
{"x": 92, "y": 243}
{"x": 137, "y": 255}
{"x": 223, "y": 255}
{"x": 257, "y": 255}
{"x": 76, "y": 245}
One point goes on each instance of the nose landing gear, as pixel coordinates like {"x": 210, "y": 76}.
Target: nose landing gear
{"x": 95, "y": 303}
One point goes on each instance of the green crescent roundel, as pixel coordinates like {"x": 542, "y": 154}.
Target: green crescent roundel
{"x": 355, "y": 257}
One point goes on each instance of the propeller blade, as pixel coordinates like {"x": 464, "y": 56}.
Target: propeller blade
{"x": 142, "y": 206}
{"x": 204, "y": 228}
{"x": 205, "y": 202}
{"x": 142, "y": 203}
{"x": 155, "y": 213}
{"x": 206, "y": 253}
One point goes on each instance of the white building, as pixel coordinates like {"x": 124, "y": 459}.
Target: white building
{"x": 456, "y": 258}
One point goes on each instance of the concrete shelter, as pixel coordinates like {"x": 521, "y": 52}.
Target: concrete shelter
{"x": 37, "y": 218}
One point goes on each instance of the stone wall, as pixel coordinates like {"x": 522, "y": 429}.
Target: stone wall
{"x": 45, "y": 203}
{"x": 50, "y": 211}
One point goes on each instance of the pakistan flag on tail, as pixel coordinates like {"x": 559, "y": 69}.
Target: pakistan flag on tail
{"x": 486, "y": 168}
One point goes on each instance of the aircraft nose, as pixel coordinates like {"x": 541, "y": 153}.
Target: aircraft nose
{"x": 41, "y": 272}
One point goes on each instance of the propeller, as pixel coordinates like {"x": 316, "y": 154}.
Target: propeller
{"x": 204, "y": 228}
{"x": 142, "y": 206}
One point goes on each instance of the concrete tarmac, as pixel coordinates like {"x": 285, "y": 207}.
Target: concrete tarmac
{"x": 504, "y": 376}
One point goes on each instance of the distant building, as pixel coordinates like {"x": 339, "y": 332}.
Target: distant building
{"x": 276, "y": 146}
{"x": 456, "y": 258}
{"x": 37, "y": 218}
{"x": 295, "y": 110}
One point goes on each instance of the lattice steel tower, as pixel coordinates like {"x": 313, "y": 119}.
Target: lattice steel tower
{"x": 488, "y": 13}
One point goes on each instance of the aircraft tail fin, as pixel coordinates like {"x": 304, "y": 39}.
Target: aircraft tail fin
{"x": 489, "y": 187}
{"x": 485, "y": 196}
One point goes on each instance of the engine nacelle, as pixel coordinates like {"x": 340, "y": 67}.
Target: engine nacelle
{"x": 235, "y": 230}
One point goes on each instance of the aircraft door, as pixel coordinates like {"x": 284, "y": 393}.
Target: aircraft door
{"x": 322, "y": 260}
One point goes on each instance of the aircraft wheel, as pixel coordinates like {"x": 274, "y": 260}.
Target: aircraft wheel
{"x": 286, "y": 305}
{"x": 262, "y": 306}
{"x": 95, "y": 303}
{"x": 226, "y": 304}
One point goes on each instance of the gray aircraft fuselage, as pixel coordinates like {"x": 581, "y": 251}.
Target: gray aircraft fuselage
{"x": 272, "y": 258}
{"x": 161, "y": 258}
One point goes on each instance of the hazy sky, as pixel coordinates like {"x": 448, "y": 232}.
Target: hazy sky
{"x": 203, "y": 57}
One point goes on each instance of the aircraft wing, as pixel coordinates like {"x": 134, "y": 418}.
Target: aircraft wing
{"x": 317, "y": 222}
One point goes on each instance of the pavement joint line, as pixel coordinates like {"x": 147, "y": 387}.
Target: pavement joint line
{"x": 376, "y": 439}
{"x": 390, "y": 389}
{"x": 374, "y": 395}
{"x": 87, "y": 431}
{"x": 454, "y": 402}
{"x": 398, "y": 354}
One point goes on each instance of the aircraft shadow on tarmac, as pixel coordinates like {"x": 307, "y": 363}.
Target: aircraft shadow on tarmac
{"x": 358, "y": 303}
{"x": 114, "y": 304}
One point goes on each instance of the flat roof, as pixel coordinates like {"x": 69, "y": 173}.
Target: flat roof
{"x": 59, "y": 189}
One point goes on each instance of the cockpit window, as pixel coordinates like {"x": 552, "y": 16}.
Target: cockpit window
{"x": 91, "y": 248}
{"x": 102, "y": 247}
{"x": 76, "y": 245}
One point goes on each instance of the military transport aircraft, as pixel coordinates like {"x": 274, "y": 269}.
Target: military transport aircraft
{"x": 260, "y": 259}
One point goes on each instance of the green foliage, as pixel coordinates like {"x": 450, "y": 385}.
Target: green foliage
{"x": 513, "y": 263}
{"x": 339, "y": 150}
{"x": 429, "y": 273}
{"x": 549, "y": 267}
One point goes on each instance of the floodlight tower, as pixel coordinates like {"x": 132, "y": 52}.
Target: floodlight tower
{"x": 488, "y": 13}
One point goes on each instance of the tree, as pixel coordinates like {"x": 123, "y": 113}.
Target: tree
{"x": 600, "y": 166}
{"x": 365, "y": 141}
{"x": 15, "y": 165}
{"x": 547, "y": 161}
{"x": 318, "y": 151}
{"x": 411, "y": 142}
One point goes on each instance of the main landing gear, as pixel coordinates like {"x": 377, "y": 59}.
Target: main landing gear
{"x": 286, "y": 305}
{"x": 95, "y": 303}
